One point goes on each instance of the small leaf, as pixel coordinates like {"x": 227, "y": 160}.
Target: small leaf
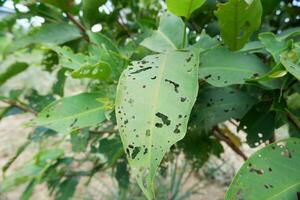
{"x": 12, "y": 71}
{"x": 238, "y": 20}
{"x": 100, "y": 71}
{"x": 274, "y": 45}
{"x": 184, "y": 8}
{"x": 271, "y": 173}
{"x": 220, "y": 67}
{"x": 148, "y": 123}
{"x": 73, "y": 112}
{"x": 169, "y": 36}
{"x": 290, "y": 60}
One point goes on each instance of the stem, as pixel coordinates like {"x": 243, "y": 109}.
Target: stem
{"x": 218, "y": 134}
{"x": 20, "y": 105}
{"x": 79, "y": 25}
{"x": 184, "y": 34}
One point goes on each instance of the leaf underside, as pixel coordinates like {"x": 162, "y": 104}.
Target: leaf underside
{"x": 154, "y": 100}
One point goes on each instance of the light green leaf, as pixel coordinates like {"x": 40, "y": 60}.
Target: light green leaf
{"x": 238, "y": 20}
{"x": 90, "y": 11}
{"x": 102, "y": 41}
{"x": 274, "y": 45}
{"x": 12, "y": 71}
{"x": 290, "y": 60}
{"x": 220, "y": 67}
{"x": 73, "y": 112}
{"x": 55, "y": 33}
{"x": 216, "y": 105}
{"x": 271, "y": 173}
{"x": 70, "y": 60}
{"x": 100, "y": 71}
{"x": 184, "y": 8}
{"x": 169, "y": 36}
{"x": 154, "y": 100}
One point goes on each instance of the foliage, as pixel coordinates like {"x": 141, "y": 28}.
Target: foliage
{"x": 152, "y": 89}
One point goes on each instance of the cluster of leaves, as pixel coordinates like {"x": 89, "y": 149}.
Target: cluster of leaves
{"x": 154, "y": 86}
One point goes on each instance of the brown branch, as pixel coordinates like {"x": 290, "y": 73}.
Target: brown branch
{"x": 20, "y": 105}
{"x": 79, "y": 25}
{"x": 220, "y": 136}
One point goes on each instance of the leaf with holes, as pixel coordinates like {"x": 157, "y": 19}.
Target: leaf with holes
{"x": 154, "y": 100}
{"x": 238, "y": 20}
{"x": 100, "y": 71}
{"x": 271, "y": 173}
{"x": 184, "y": 8}
{"x": 221, "y": 67}
{"x": 215, "y": 105}
{"x": 73, "y": 112}
{"x": 169, "y": 36}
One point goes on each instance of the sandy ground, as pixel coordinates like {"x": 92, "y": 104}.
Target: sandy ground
{"x": 13, "y": 133}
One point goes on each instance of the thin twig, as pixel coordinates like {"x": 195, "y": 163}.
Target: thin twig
{"x": 79, "y": 25}
{"x": 20, "y": 105}
{"x": 219, "y": 135}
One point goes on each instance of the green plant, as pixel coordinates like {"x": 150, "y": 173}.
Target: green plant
{"x": 148, "y": 88}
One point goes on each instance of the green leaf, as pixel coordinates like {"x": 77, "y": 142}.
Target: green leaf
{"x": 274, "y": 45}
{"x": 90, "y": 11}
{"x": 220, "y": 67}
{"x": 216, "y": 105}
{"x": 238, "y": 20}
{"x": 65, "y": 5}
{"x": 290, "y": 60}
{"x": 111, "y": 148}
{"x": 54, "y": 33}
{"x": 73, "y": 112}
{"x": 59, "y": 85}
{"x": 148, "y": 122}
{"x": 184, "y": 8}
{"x": 67, "y": 188}
{"x": 169, "y": 36}
{"x": 70, "y": 60}
{"x": 79, "y": 140}
{"x": 12, "y": 71}
{"x": 103, "y": 41}
{"x": 100, "y": 71}
{"x": 259, "y": 124}
{"x": 271, "y": 173}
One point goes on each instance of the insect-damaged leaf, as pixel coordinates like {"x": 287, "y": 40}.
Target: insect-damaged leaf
{"x": 215, "y": 105}
{"x": 290, "y": 60}
{"x": 271, "y": 173}
{"x": 184, "y": 8}
{"x": 221, "y": 67}
{"x": 169, "y": 36}
{"x": 238, "y": 20}
{"x": 73, "y": 112}
{"x": 154, "y": 100}
{"x": 100, "y": 71}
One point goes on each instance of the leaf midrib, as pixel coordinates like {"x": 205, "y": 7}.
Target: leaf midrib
{"x": 285, "y": 190}
{"x": 167, "y": 39}
{"x": 74, "y": 116}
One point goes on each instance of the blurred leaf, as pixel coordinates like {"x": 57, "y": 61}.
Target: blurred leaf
{"x": 100, "y": 71}
{"x": 79, "y": 140}
{"x": 215, "y": 105}
{"x": 271, "y": 173}
{"x": 12, "y": 71}
{"x": 184, "y": 8}
{"x": 169, "y": 36}
{"x": 54, "y": 33}
{"x": 290, "y": 60}
{"x": 220, "y": 67}
{"x": 274, "y": 45}
{"x": 122, "y": 174}
{"x": 103, "y": 41}
{"x": 59, "y": 86}
{"x": 72, "y": 112}
{"x": 65, "y": 5}
{"x": 112, "y": 149}
{"x": 90, "y": 11}
{"x": 38, "y": 102}
{"x": 238, "y": 20}
{"x": 67, "y": 188}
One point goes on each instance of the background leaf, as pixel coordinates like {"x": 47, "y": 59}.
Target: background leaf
{"x": 271, "y": 173}
{"x": 238, "y": 20}
{"x": 184, "y": 8}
